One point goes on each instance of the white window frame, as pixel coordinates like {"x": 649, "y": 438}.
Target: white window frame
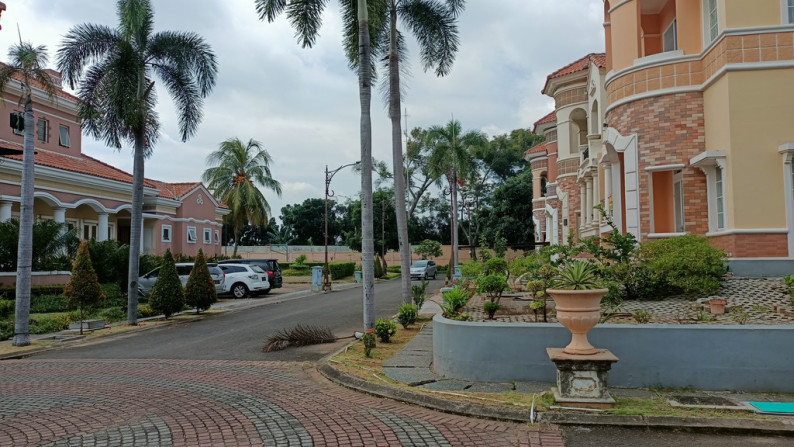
{"x": 708, "y": 25}
{"x": 677, "y": 172}
{"x": 674, "y": 28}
{"x": 217, "y": 237}
{"x": 712, "y": 162}
{"x": 719, "y": 190}
{"x": 92, "y": 228}
{"x": 191, "y": 231}
{"x": 163, "y": 237}
{"x": 786, "y": 10}
{"x": 46, "y": 130}
{"x": 787, "y": 151}
{"x": 207, "y": 235}
{"x": 65, "y": 142}
{"x": 111, "y": 231}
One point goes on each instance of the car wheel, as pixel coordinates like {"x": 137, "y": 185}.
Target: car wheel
{"x": 434, "y": 275}
{"x": 239, "y": 290}
{"x": 426, "y": 276}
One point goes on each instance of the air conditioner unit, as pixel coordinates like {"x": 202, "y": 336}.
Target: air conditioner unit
{"x": 18, "y": 121}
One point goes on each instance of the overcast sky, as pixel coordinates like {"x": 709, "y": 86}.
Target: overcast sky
{"x": 303, "y": 104}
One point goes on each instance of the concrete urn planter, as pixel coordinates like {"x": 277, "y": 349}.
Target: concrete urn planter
{"x": 717, "y": 306}
{"x": 579, "y": 311}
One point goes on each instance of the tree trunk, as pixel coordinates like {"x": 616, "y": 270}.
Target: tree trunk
{"x": 25, "y": 249}
{"x": 136, "y": 222}
{"x": 367, "y": 230}
{"x": 236, "y": 239}
{"x": 397, "y": 159}
{"x": 454, "y": 192}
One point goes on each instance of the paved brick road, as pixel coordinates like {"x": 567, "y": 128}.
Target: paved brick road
{"x": 189, "y": 403}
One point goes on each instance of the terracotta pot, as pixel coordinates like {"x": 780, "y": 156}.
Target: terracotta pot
{"x": 717, "y": 306}
{"x": 579, "y": 311}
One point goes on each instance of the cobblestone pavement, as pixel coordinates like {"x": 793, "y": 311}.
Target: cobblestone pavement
{"x": 224, "y": 403}
{"x": 764, "y": 300}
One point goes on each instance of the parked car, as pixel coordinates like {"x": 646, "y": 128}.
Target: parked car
{"x": 423, "y": 270}
{"x": 270, "y": 266}
{"x": 183, "y": 269}
{"x": 242, "y": 279}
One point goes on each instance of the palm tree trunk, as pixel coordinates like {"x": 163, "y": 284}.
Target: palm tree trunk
{"x": 135, "y": 228}
{"x": 367, "y": 230}
{"x": 397, "y": 158}
{"x": 454, "y": 192}
{"x": 236, "y": 238}
{"x": 25, "y": 249}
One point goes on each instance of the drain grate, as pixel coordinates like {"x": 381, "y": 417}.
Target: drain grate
{"x": 705, "y": 401}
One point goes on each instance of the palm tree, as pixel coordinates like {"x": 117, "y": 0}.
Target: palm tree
{"x": 236, "y": 170}
{"x": 361, "y": 36}
{"x": 116, "y": 69}
{"x": 26, "y": 65}
{"x": 433, "y": 24}
{"x": 451, "y": 157}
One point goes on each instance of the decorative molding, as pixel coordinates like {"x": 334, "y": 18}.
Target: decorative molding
{"x": 670, "y": 167}
{"x": 618, "y": 6}
{"x": 747, "y": 231}
{"x": 664, "y": 235}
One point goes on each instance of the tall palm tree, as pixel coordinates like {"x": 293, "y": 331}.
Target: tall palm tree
{"x": 362, "y": 22}
{"x": 432, "y": 22}
{"x": 26, "y": 65}
{"x": 236, "y": 169}
{"x": 116, "y": 69}
{"x": 451, "y": 157}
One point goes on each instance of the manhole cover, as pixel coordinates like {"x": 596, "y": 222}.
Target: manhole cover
{"x": 705, "y": 401}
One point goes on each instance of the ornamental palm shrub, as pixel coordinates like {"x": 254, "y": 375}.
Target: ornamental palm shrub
{"x": 688, "y": 264}
{"x": 167, "y": 295}
{"x": 200, "y": 289}
{"x": 83, "y": 289}
{"x": 418, "y": 292}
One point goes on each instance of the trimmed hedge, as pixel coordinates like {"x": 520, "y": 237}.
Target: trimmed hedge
{"x": 341, "y": 270}
{"x": 10, "y": 293}
{"x": 307, "y": 264}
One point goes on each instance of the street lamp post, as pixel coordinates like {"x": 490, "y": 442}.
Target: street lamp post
{"x": 329, "y": 193}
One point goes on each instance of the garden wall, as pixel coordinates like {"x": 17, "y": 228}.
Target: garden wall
{"x": 706, "y": 357}
{"x": 36, "y": 278}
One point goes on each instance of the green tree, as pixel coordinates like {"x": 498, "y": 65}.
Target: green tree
{"x": 83, "y": 289}
{"x": 510, "y": 214}
{"x": 384, "y": 222}
{"x": 451, "y": 157}
{"x": 360, "y": 36}
{"x": 52, "y": 246}
{"x": 235, "y": 174}
{"x": 116, "y": 70}
{"x": 429, "y": 249}
{"x": 307, "y": 221}
{"x": 167, "y": 296}
{"x": 200, "y": 289}
{"x": 26, "y": 65}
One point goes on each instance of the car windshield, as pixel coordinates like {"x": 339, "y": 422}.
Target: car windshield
{"x": 419, "y": 264}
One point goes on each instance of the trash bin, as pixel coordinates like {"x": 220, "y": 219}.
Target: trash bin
{"x": 317, "y": 278}
{"x": 357, "y": 276}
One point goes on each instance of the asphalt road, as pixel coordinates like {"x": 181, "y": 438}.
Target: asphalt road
{"x": 240, "y": 334}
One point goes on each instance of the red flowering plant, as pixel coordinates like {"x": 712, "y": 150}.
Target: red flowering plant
{"x": 369, "y": 342}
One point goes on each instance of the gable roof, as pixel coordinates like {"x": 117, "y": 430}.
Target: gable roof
{"x": 550, "y": 118}
{"x": 581, "y": 64}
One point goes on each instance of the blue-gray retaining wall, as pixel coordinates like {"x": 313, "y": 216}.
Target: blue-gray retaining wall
{"x": 707, "y": 357}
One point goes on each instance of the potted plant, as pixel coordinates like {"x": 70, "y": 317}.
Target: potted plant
{"x": 577, "y": 295}
{"x": 717, "y": 306}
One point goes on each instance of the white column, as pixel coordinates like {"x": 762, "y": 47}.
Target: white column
{"x": 102, "y": 227}
{"x": 582, "y": 205}
{"x": 589, "y": 193}
{"x": 607, "y": 186}
{"x": 596, "y": 196}
{"x": 5, "y": 211}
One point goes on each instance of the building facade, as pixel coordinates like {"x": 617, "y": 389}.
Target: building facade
{"x": 693, "y": 129}
{"x": 94, "y": 197}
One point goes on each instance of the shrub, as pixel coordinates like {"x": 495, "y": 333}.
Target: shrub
{"x": 50, "y": 324}
{"x": 10, "y": 293}
{"x": 6, "y": 309}
{"x": 471, "y": 269}
{"x": 6, "y": 329}
{"x": 454, "y": 301}
{"x": 687, "y": 263}
{"x": 490, "y": 308}
{"x": 112, "y": 314}
{"x": 200, "y": 289}
{"x": 167, "y": 295}
{"x": 637, "y": 281}
{"x": 293, "y": 272}
{"x": 146, "y": 311}
{"x": 394, "y": 269}
{"x": 407, "y": 314}
{"x": 492, "y": 285}
{"x": 369, "y": 342}
{"x": 341, "y": 270}
{"x": 42, "y": 304}
{"x": 385, "y": 329}
{"x": 379, "y": 273}
{"x": 418, "y": 293}
{"x": 495, "y": 266}
{"x": 113, "y": 295}
{"x": 83, "y": 289}
{"x": 642, "y": 316}
{"x": 300, "y": 263}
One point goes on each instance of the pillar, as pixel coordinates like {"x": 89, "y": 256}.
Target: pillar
{"x": 102, "y": 227}
{"x": 607, "y": 186}
{"x": 589, "y": 193}
{"x": 582, "y": 206}
{"x": 5, "y": 211}
{"x": 59, "y": 215}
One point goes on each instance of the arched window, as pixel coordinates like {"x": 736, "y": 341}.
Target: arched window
{"x": 543, "y": 181}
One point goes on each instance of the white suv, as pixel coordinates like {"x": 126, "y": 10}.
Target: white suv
{"x": 242, "y": 279}
{"x": 183, "y": 269}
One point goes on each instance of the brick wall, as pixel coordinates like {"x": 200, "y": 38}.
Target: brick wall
{"x": 753, "y": 245}
{"x": 670, "y": 130}
{"x": 570, "y": 97}
{"x": 569, "y": 185}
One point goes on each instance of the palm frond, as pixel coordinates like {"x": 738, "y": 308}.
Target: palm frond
{"x": 305, "y": 16}
{"x": 269, "y": 9}
{"x": 83, "y": 45}
{"x": 300, "y": 335}
{"x": 435, "y": 28}
{"x": 188, "y": 53}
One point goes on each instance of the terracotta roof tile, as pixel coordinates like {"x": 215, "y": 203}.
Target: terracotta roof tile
{"x": 58, "y": 91}
{"x": 550, "y": 118}
{"x": 599, "y": 59}
{"x": 537, "y": 149}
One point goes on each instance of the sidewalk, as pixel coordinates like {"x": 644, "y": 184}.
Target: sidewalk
{"x": 413, "y": 367}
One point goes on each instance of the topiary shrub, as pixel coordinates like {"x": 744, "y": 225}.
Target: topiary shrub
{"x": 688, "y": 264}
{"x": 385, "y": 329}
{"x": 167, "y": 295}
{"x": 407, "y": 315}
{"x": 495, "y": 266}
{"x": 43, "y": 304}
{"x": 492, "y": 286}
{"x": 341, "y": 270}
{"x": 83, "y": 289}
{"x": 490, "y": 308}
{"x": 113, "y": 295}
{"x": 200, "y": 289}
{"x": 471, "y": 269}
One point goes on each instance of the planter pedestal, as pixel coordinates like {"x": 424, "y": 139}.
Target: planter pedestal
{"x": 582, "y": 379}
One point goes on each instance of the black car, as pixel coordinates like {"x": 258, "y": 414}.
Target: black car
{"x": 269, "y": 265}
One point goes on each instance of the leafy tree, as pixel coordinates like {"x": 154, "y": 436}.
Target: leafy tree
{"x": 26, "y": 65}
{"x": 429, "y": 249}
{"x": 83, "y": 289}
{"x": 510, "y": 215}
{"x": 53, "y": 244}
{"x": 167, "y": 296}
{"x": 235, "y": 174}
{"x": 118, "y": 97}
{"x": 362, "y": 36}
{"x": 307, "y": 221}
{"x": 200, "y": 289}
{"x": 383, "y": 203}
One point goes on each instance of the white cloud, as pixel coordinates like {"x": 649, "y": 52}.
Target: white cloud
{"x": 303, "y": 104}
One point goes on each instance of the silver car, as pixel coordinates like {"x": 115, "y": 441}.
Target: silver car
{"x": 423, "y": 270}
{"x": 183, "y": 269}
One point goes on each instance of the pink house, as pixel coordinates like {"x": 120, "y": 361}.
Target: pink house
{"x": 92, "y": 196}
